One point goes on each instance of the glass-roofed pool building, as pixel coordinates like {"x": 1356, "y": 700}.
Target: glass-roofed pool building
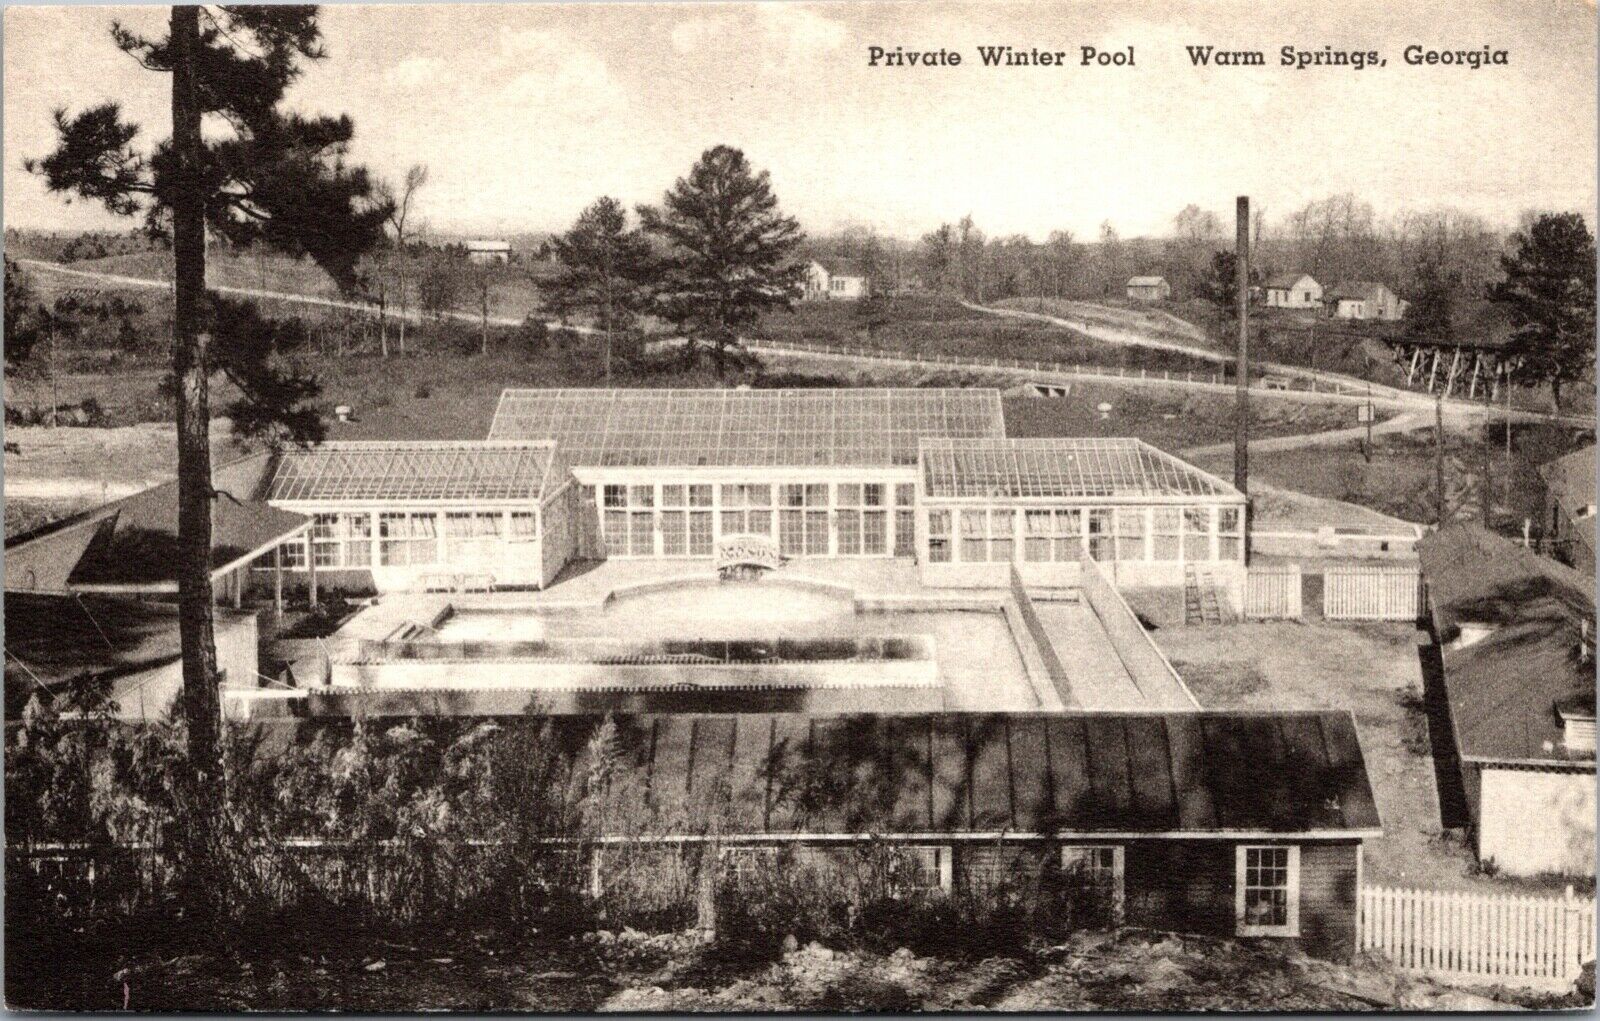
{"x": 923, "y": 474}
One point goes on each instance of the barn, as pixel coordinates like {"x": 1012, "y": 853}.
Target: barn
{"x": 1149, "y": 289}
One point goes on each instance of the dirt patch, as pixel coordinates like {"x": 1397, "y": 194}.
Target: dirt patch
{"x": 635, "y": 972}
{"x": 1222, "y": 681}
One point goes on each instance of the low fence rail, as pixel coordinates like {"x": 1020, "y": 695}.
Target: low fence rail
{"x": 1213, "y": 379}
{"x": 1489, "y": 938}
{"x": 1373, "y": 593}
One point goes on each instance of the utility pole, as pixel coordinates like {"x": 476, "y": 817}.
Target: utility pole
{"x": 1438, "y": 457}
{"x": 1241, "y": 410}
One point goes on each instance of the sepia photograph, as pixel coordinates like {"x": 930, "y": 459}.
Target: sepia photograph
{"x": 806, "y": 507}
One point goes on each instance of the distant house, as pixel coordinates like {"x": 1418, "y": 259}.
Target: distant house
{"x": 1515, "y": 632}
{"x": 1149, "y": 289}
{"x": 835, "y": 279}
{"x": 1569, "y": 501}
{"x": 1363, "y": 299}
{"x": 1293, "y": 290}
{"x": 487, "y": 252}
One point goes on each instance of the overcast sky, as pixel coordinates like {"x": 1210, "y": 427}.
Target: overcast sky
{"x": 525, "y": 114}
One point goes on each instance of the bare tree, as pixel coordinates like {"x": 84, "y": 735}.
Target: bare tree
{"x": 416, "y": 177}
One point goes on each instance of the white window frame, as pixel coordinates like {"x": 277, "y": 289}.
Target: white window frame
{"x": 943, "y": 862}
{"x": 1291, "y": 926}
{"x": 1072, "y": 857}
{"x": 737, "y": 861}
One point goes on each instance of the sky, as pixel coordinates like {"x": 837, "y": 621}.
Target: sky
{"x": 525, "y": 114}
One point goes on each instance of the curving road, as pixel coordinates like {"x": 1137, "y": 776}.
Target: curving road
{"x": 287, "y": 296}
{"x": 1338, "y": 381}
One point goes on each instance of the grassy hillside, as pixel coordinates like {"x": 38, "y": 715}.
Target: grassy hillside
{"x": 936, "y": 325}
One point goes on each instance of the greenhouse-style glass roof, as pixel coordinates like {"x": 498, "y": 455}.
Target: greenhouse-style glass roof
{"x": 1070, "y": 468}
{"x": 426, "y": 471}
{"x": 608, "y": 428}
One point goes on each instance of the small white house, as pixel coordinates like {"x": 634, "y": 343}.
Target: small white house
{"x": 1149, "y": 289}
{"x": 835, "y": 279}
{"x": 1364, "y": 299}
{"x": 1293, "y": 290}
{"x": 488, "y": 252}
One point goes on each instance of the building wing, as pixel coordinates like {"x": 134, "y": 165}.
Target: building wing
{"x": 1065, "y": 468}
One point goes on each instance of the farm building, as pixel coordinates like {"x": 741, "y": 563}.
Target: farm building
{"x": 1363, "y": 299}
{"x": 835, "y": 279}
{"x": 1293, "y": 290}
{"x": 487, "y": 252}
{"x": 1569, "y": 508}
{"x": 1220, "y": 823}
{"x": 72, "y": 650}
{"x": 1149, "y": 289}
{"x": 1515, "y": 631}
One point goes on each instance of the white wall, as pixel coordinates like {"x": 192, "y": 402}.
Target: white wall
{"x": 1537, "y": 820}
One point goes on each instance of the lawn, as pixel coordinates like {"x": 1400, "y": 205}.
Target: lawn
{"x": 1400, "y": 479}
{"x": 934, "y": 325}
{"x": 1374, "y": 671}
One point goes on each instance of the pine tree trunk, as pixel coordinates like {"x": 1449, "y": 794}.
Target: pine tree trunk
{"x": 201, "y": 700}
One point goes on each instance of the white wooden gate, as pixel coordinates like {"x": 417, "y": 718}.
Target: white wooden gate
{"x": 1272, "y": 593}
{"x": 1372, "y": 593}
{"x": 1539, "y": 942}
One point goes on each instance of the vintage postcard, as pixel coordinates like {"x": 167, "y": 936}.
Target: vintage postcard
{"x": 807, "y": 507}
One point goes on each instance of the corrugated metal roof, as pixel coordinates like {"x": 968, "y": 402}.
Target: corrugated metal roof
{"x": 1066, "y": 468}
{"x": 976, "y": 773}
{"x": 416, "y": 472}
{"x": 745, "y": 428}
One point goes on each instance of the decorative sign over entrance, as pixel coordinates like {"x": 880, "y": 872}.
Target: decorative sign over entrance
{"x": 739, "y": 556}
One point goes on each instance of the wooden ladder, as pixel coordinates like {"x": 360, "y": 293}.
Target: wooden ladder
{"x": 1200, "y": 602}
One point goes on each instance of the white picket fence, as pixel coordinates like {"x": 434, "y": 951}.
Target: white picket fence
{"x": 1373, "y": 593}
{"x": 1272, "y": 593}
{"x": 1539, "y": 942}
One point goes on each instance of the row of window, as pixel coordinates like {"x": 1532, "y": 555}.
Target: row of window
{"x": 1266, "y": 877}
{"x": 1064, "y": 534}
{"x": 408, "y": 538}
{"x": 806, "y": 518}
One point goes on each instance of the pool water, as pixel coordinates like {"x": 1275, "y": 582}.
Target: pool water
{"x": 978, "y": 660}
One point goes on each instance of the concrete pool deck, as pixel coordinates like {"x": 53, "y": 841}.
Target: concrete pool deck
{"x": 987, "y": 660}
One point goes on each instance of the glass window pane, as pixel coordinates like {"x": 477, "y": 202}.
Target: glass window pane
{"x": 875, "y": 533}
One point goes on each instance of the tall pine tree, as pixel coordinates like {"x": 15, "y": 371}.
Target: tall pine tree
{"x": 266, "y": 176}
{"x": 604, "y": 271}
{"x": 730, "y": 252}
{"x": 1549, "y": 291}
